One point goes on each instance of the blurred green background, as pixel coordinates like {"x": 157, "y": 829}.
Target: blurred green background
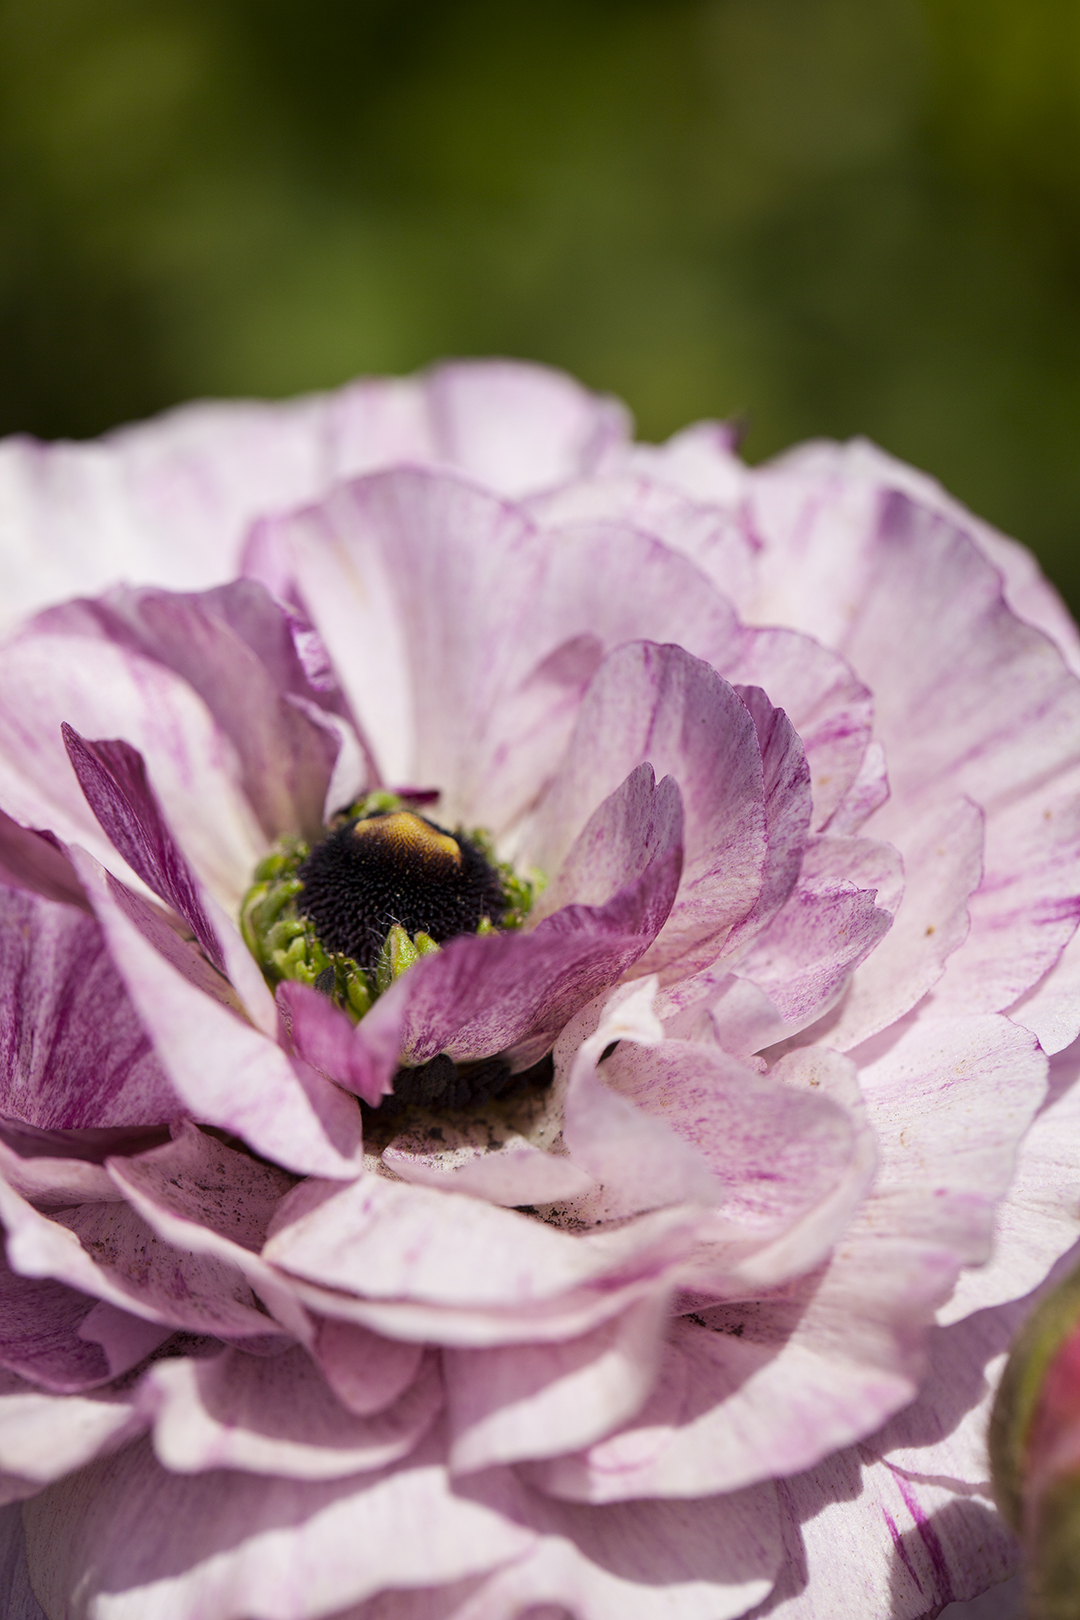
{"x": 827, "y": 216}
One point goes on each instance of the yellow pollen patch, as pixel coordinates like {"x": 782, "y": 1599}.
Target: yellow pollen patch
{"x": 409, "y": 835}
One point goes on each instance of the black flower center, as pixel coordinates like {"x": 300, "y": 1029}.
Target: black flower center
{"x": 396, "y": 868}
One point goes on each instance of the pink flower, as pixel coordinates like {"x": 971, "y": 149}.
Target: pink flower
{"x": 649, "y": 1248}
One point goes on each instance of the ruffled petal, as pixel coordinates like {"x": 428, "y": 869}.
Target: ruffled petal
{"x": 233, "y": 646}
{"x": 227, "y": 1072}
{"x": 660, "y": 704}
{"x": 486, "y": 994}
{"x": 128, "y": 1539}
{"x": 275, "y": 1415}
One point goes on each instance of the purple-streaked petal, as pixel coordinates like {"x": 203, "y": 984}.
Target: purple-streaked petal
{"x": 226, "y": 1071}
{"x": 106, "y": 691}
{"x": 484, "y": 995}
{"x": 17, "y": 1600}
{"x": 40, "y": 1338}
{"x": 202, "y": 1196}
{"x": 524, "y": 1401}
{"x": 109, "y": 1252}
{"x": 72, "y": 1050}
{"x": 660, "y": 704}
{"x": 275, "y": 1415}
{"x": 361, "y": 1057}
{"x": 35, "y": 861}
{"x": 113, "y": 777}
{"x": 234, "y": 647}
{"x": 132, "y": 1540}
{"x": 787, "y": 804}
{"x": 841, "y": 908}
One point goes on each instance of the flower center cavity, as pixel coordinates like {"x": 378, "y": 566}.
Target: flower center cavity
{"x": 382, "y": 888}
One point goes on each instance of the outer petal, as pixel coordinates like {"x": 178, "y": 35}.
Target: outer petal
{"x": 17, "y": 1598}
{"x": 124, "y": 1539}
{"x": 276, "y": 1415}
{"x": 1038, "y": 1219}
{"x": 43, "y": 1437}
{"x": 526, "y": 1401}
{"x": 707, "y": 1560}
{"x": 227, "y": 1072}
{"x": 72, "y": 1050}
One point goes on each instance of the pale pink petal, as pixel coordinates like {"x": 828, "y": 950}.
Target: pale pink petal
{"x": 275, "y": 1415}
{"x": 711, "y": 536}
{"x": 419, "y": 586}
{"x": 661, "y": 705}
{"x": 942, "y": 854}
{"x": 226, "y": 1071}
{"x": 132, "y": 1540}
{"x": 838, "y": 913}
{"x": 234, "y": 647}
{"x": 72, "y": 1050}
{"x": 518, "y": 427}
{"x": 106, "y": 691}
{"x": 43, "y": 1437}
{"x": 829, "y": 707}
{"x": 950, "y": 1100}
{"x": 510, "y": 1172}
{"x": 699, "y": 1560}
{"x": 525, "y": 1401}
{"x": 109, "y": 1252}
{"x": 209, "y": 1199}
{"x": 367, "y": 1373}
{"x": 1051, "y": 1008}
{"x": 1038, "y": 1218}
{"x": 415, "y": 1263}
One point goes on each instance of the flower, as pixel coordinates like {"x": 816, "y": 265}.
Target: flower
{"x": 390, "y": 1235}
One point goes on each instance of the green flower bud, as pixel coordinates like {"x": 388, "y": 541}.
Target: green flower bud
{"x": 1035, "y": 1452}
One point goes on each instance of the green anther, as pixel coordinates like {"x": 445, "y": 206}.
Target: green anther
{"x": 485, "y": 926}
{"x": 356, "y": 987}
{"x": 425, "y": 945}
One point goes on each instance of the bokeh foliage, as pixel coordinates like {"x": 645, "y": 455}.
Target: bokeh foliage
{"x": 829, "y": 216}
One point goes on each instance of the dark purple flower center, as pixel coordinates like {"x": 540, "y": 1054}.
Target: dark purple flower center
{"x": 395, "y": 868}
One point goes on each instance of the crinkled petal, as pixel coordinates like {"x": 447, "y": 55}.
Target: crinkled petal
{"x": 233, "y": 646}
{"x": 276, "y": 1415}
{"x": 523, "y": 1401}
{"x": 107, "y": 691}
{"x": 485, "y": 994}
{"x": 1038, "y": 1219}
{"x": 125, "y": 1539}
{"x": 942, "y": 853}
{"x": 704, "y": 1560}
{"x": 227, "y": 1072}
{"x": 660, "y": 704}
